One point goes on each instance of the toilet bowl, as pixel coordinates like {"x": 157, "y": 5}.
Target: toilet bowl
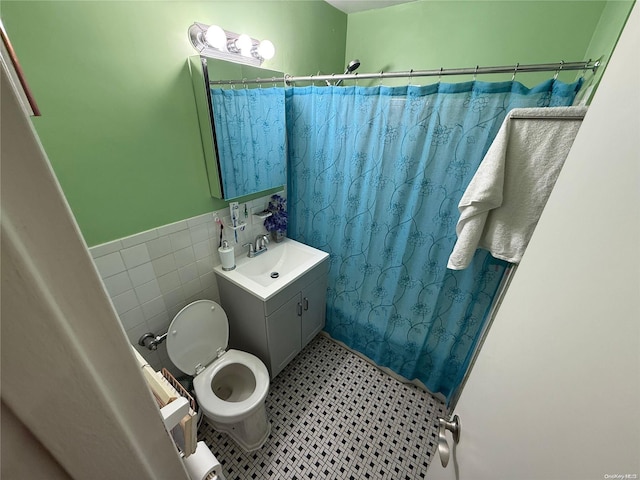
{"x": 230, "y": 385}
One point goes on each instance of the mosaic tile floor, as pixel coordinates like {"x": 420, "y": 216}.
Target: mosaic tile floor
{"x": 335, "y": 416}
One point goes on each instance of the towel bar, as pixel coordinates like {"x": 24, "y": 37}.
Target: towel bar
{"x": 517, "y": 117}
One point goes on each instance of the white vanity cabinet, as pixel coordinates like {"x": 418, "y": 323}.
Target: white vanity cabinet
{"x": 277, "y": 329}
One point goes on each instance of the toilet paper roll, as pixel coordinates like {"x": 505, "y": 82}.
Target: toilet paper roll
{"x": 202, "y": 463}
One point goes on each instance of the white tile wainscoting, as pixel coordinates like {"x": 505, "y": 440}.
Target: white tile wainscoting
{"x": 152, "y": 275}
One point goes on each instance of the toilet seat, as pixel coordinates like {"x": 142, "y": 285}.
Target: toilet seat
{"x": 198, "y": 334}
{"x": 222, "y": 410}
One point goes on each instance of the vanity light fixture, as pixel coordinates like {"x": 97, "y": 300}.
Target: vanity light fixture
{"x": 214, "y": 42}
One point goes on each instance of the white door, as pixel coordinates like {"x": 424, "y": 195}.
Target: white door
{"x": 555, "y": 391}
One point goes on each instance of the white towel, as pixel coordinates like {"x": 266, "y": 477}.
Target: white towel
{"x": 502, "y": 205}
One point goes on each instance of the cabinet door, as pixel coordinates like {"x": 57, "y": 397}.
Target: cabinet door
{"x": 314, "y": 309}
{"x": 283, "y": 334}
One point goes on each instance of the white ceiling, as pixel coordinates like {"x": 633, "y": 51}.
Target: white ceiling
{"x": 351, "y": 6}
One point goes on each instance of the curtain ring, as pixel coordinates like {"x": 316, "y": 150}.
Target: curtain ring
{"x": 313, "y": 83}
{"x": 356, "y": 78}
{"x": 475, "y": 73}
{"x": 555, "y": 77}
{"x": 515, "y": 70}
{"x": 584, "y": 69}
{"x": 440, "y": 75}
{"x": 410, "y": 77}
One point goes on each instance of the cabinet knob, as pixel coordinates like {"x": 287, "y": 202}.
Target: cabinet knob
{"x": 306, "y": 303}
{"x": 299, "y": 309}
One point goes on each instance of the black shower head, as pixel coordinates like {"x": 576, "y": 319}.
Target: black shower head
{"x": 352, "y": 66}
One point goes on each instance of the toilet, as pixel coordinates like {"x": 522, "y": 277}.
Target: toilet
{"x": 230, "y": 385}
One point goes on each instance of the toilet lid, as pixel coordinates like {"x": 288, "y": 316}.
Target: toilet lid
{"x": 196, "y": 334}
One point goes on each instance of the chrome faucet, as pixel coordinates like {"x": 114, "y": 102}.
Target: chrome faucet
{"x": 259, "y": 247}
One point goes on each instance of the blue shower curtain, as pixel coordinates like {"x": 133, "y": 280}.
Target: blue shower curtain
{"x": 375, "y": 177}
{"x": 250, "y": 139}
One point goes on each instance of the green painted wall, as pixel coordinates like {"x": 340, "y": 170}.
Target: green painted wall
{"x": 614, "y": 16}
{"x": 449, "y": 34}
{"x": 119, "y": 121}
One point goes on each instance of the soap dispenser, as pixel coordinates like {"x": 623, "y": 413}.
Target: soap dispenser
{"x": 227, "y": 256}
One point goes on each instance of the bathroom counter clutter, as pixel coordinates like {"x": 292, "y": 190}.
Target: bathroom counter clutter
{"x": 269, "y": 273}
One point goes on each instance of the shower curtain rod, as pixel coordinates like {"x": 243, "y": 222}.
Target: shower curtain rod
{"x": 515, "y": 69}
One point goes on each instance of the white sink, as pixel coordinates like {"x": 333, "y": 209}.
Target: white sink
{"x": 271, "y": 271}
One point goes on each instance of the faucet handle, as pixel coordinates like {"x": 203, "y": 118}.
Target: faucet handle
{"x": 250, "y": 245}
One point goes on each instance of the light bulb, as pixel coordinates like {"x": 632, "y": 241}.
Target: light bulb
{"x": 244, "y": 44}
{"x": 266, "y": 50}
{"x": 216, "y": 37}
